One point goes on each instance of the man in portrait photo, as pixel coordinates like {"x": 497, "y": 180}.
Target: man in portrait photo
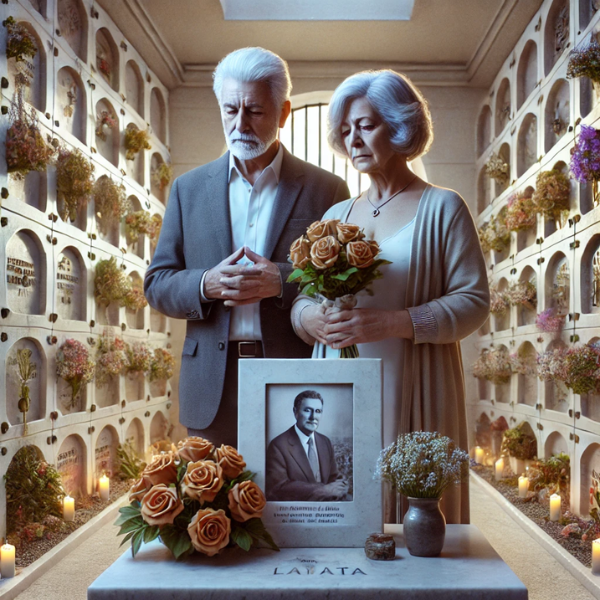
{"x": 301, "y": 462}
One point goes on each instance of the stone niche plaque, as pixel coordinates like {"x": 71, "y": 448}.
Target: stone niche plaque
{"x": 135, "y": 388}
{"x": 135, "y": 318}
{"x": 25, "y": 274}
{"x": 70, "y": 99}
{"x": 135, "y": 436}
{"x": 70, "y": 463}
{"x": 157, "y": 114}
{"x": 105, "y": 453}
{"x": 31, "y": 189}
{"x": 107, "y": 138}
{"x": 25, "y": 366}
{"x": 70, "y": 285}
{"x": 134, "y": 87}
{"x": 159, "y": 427}
{"x": 108, "y": 393}
{"x": 107, "y": 58}
{"x": 72, "y": 24}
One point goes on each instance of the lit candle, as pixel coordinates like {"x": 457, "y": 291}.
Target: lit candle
{"x": 104, "y": 487}
{"x": 499, "y": 466}
{"x": 554, "y": 507}
{"x": 68, "y": 508}
{"x": 7, "y": 561}
{"x": 479, "y": 455}
{"x": 523, "y": 486}
{"x": 596, "y": 557}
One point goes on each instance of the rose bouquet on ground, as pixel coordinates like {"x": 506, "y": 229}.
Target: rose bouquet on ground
{"x": 199, "y": 498}
{"x": 333, "y": 262}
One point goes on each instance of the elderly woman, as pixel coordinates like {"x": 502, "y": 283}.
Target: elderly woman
{"x": 435, "y": 291}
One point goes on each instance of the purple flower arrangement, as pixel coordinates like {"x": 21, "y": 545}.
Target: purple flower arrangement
{"x": 550, "y": 321}
{"x": 585, "y": 62}
{"x": 585, "y": 157}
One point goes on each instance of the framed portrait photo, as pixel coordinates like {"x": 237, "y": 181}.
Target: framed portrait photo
{"x": 312, "y": 431}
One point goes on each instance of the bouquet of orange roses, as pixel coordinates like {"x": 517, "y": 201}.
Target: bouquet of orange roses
{"x": 197, "y": 498}
{"x": 333, "y": 262}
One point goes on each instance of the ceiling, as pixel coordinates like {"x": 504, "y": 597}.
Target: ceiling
{"x": 450, "y": 41}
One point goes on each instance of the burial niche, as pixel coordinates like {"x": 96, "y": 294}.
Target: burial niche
{"x": 526, "y": 237}
{"x": 158, "y": 181}
{"x": 134, "y": 436}
{"x": 503, "y": 108}
{"x": 555, "y": 391}
{"x": 105, "y": 452}
{"x": 504, "y": 155}
{"x": 31, "y": 189}
{"x": 555, "y": 444}
{"x": 134, "y": 224}
{"x": 72, "y": 24}
{"x": 589, "y": 477}
{"x": 154, "y": 240}
{"x": 590, "y": 277}
{"x": 71, "y": 464}
{"x": 158, "y": 115}
{"x": 524, "y": 364}
{"x": 484, "y": 129}
{"x": 135, "y": 166}
{"x": 135, "y": 313}
{"x": 107, "y": 131}
{"x": 527, "y": 73}
{"x": 40, "y": 6}
{"x": 107, "y": 58}
{"x": 25, "y": 382}
{"x": 502, "y": 390}
{"x": 557, "y": 112}
{"x": 556, "y": 34}
{"x": 135, "y": 380}
{"x": 70, "y": 100}
{"x": 502, "y": 318}
{"x": 483, "y": 431}
{"x": 71, "y": 285}
{"x": 483, "y": 190}
{"x": 25, "y": 274}
{"x": 134, "y": 87}
{"x": 159, "y": 428}
{"x": 558, "y": 284}
{"x": 525, "y": 297}
{"x": 527, "y": 144}
{"x": 557, "y": 220}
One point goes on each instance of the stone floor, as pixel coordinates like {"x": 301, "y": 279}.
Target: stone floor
{"x": 543, "y": 575}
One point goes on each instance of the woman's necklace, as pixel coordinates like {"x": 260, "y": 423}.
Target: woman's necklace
{"x": 376, "y": 211}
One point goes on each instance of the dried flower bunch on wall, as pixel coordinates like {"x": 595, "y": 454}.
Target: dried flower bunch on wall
{"x": 111, "y": 202}
{"x": 494, "y": 235}
{"x": 74, "y": 365}
{"x": 139, "y": 357}
{"x": 141, "y": 222}
{"x": 111, "y": 358}
{"x": 163, "y": 365}
{"x": 497, "y": 169}
{"x": 105, "y": 120}
{"x": 162, "y": 175}
{"x": 111, "y": 283}
{"x": 493, "y": 365}
{"x": 552, "y": 194}
{"x": 520, "y": 212}
{"x": 523, "y": 293}
{"x": 499, "y": 301}
{"x": 74, "y": 182}
{"x": 519, "y": 443}
{"x": 136, "y": 140}
{"x": 134, "y": 299}
{"x": 523, "y": 362}
{"x": 550, "y": 320}
{"x": 585, "y": 61}
{"x": 19, "y": 42}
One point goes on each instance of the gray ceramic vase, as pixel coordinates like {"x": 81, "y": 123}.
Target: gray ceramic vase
{"x": 424, "y": 527}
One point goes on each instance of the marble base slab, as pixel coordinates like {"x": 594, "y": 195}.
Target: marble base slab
{"x": 469, "y": 568}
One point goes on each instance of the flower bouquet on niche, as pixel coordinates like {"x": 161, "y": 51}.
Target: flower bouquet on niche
{"x": 199, "y": 498}
{"x": 333, "y": 262}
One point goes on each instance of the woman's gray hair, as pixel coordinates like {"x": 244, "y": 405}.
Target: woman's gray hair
{"x": 255, "y": 64}
{"x": 399, "y": 103}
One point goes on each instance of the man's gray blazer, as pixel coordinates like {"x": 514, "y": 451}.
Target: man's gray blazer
{"x": 196, "y": 236}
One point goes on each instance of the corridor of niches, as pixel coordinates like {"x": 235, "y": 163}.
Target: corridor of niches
{"x": 117, "y": 100}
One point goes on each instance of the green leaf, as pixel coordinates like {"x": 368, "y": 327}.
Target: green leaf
{"x": 132, "y": 510}
{"x": 181, "y": 469}
{"x": 294, "y": 275}
{"x": 344, "y": 276}
{"x": 136, "y": 542}
{"x": 256, "y": 528}
{"x": 242, "y": 538}
{"x": 177, "y": 541}
{"x": 131, "y": 525}
{"x": 151, "y": 533}
{"x": 127, "y": 538}
{"x": 126, "y": 518}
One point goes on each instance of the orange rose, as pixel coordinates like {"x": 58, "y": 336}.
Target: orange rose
{"x": 321, "y": 229}
{"x": 246, "y": 501}
{"x": 346, "y": 232}
{"x": 230, "y": 460}
{"x": 161, "y": 505}
{"x": 300, "y": 253}
{"x": 162, "y": 469}
{"x": 192, "y": 449}
{"x": 138, "y": 489}
{"x": 359, "y": 254}
{"x": 325, "y": 252}
{"x": 209, "y": 531}
{"x": 375, "y": 249}
{"x": 202, "y": 480}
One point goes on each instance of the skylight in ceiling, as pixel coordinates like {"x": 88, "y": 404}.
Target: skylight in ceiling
{"x": 317, "y": 10}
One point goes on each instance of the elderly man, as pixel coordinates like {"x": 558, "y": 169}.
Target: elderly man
{"x": 221, "y": 260}
{"x": 301, "y": 462}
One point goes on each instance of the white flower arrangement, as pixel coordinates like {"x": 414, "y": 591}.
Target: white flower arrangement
{"x": 422, "y": 464}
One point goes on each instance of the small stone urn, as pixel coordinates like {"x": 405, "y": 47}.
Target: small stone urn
{"x": 424, "y": 527}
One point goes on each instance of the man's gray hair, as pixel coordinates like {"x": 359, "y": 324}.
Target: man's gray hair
{"x": 255, "y": 64}
{"x": 399, "y": 103}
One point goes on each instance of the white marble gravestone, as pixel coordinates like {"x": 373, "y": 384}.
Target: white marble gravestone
{"x": 31, "y": 189}
{"x": 25, "y": 274}
{"x": 70, "y": 99}
{"x": 134, "y": 87}
{"x": 105, "y": 452}
{"x": 36, "y": 383}
{"x": 70, "y": 463}
{"x": 70, "y": 286}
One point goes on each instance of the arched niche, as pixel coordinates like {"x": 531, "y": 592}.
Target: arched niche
{"x": 527, "y": 390}
{"x": 71, "y": 462}
{"x": 558, "y": 283}
{"x": 484, "y": 129}
{"x": 484, "y": 388}
{"x": 107, "y": 136}
{"x": 527, "y": 315}
{"x": 65, "y": 402}
{"x": 483, "y": 190}
{"x": 135, "y": 386}
{"x": 154, "y": 241}
{"x": 135, "y": 168}
{"x": 31, "y": 189}
{"x": 586, "y": 96}
{"x": 40, "y": 6}
{"x": 107, "y": 394}
{"x": 504, "y": 154}
{"x": 502, "y": 391}
{"x": 34, "y": 70}
{"x": 556, "y": 393}
{"x": 590, "y": 276}
{"x": 586, "y": 197}
{"x": 71, "y": 285}
{"x": 505, "y": 252}
{"x": 107, "y": 58}
{"x": 71, "y": 103}
{"x": 73, "y": 25}
{"x": 25, "y": 368}
{"x": 588, "y": 472}
{"x": 556, "y": 33}
{"x": 135, "y": 318}
{"x": 553, "y": 224}
{"x": 557, "y": 112}
{"x": 108, "y": 315}
{"x": 159, "y": 428}
{"x": 555, "y": 444}
{"x": 26, "y": 274}
{"x": 135, "y": 246}
{"x": 483, "y": 431}
{"x": 526, "y": 237}
{"x": 107, "y": 225}
{"x": 105, "y": 452}
{"x": 527, "y": 153}
{"x": 587, "y": 9}
{"x": 134, "y": 87}
{"x": 503, "y": 106}
{"x": 158, "y": 115}
{"x": 155, "y": 187}
{"x": 527, "y": 75}
{"x": 134, "y": 436}
{"x": 590, "y": 403}
{"x": 502, "y": 320}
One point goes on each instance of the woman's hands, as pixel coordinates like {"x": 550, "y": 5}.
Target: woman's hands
{"x": 312, "y": 320}
{"x": 342, "y": 328}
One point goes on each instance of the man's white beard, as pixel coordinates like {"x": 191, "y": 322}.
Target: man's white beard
{"x": 247, "y": 146}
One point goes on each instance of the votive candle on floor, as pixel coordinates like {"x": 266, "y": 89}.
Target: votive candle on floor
{"x": 523, "y": 486}
{"x": 596, "y": 557}
{"x": 7, "y": 561}
{"x": 499, "y": 469}
{"x": 555, "y": 507}
{"x": 479, "y": 454}
{"x": 68, "y": 508}
{"x": 104, "y": 487}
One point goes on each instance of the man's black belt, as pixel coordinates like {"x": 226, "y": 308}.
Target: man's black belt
{"x": 246, "y": 349}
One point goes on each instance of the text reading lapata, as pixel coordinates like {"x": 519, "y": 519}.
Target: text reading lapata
{"x": 313, "y": 570}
